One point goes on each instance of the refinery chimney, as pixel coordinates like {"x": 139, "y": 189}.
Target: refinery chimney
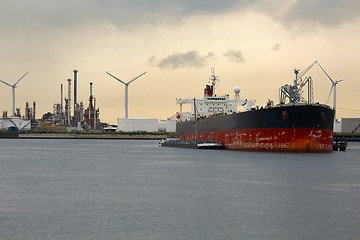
{"x": 91, "y": 90}
{"x": 90, "y": 100}
{"x": 75, "y": 87}
{"x": 68, "y": 103}
{"x": 75, "y": 98}
{"x": 61, "y": 101}
{"x": 34, "y": 110}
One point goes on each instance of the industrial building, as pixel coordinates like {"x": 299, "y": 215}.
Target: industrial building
{"x": 15, "y": 121}
{"x": 137, "y": 125}
{"x": 348, "y": 125}
{"x": 15, "y": 124}
{"x": 145, "y": 125}
{"x": 167, "y": 125}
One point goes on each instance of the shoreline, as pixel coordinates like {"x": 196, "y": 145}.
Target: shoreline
{"x": 83, "y": 136}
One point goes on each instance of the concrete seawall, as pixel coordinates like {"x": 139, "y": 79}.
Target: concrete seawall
{"x": 88, "y": 136}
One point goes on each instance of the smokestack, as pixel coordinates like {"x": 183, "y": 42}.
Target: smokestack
{"x": 75, "y": 96}
{"x": 68, "y": 103}
{"x": 90, "y": 100}
{"x": 34, "y": 110}
{"x": 91, "y": 89}
{"x": 75, "y": 88}
{"x": 95, "y": 114}
{"x": 27, "y": 111}
{"x": 61, "y": 101}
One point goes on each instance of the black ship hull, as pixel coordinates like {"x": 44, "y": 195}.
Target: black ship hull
{"x": 293, "y": 128}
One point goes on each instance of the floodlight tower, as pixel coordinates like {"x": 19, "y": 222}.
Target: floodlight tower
{"x": 126, "y": 90}
{"x": 13, "y": 92}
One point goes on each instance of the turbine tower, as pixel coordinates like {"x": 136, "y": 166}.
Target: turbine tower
{"x": 13, "y": 92}
{"x": 126, "y": 90}
{"x": 333, "y": 87}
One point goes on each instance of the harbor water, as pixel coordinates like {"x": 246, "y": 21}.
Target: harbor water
{"x": 134, "y": 189}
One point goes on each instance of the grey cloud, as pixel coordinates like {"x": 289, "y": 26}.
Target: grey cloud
{"x": 151, "y": 61}
{"x": 276, "y": 46}
{"x": 234, "y": 56}
{"x": 190, "y": 59}
{"x": 20, "y": 15}
{"x": 324, "y": 12}
{"x": 17, "y": 14}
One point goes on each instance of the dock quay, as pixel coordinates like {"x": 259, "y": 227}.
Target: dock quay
{"x": 340, "y": 140}
{"x": 84, "y": 136}
{"x": 346, "y": 137}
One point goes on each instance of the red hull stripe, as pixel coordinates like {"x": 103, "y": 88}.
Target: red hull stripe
{"x": 271, "y": 139}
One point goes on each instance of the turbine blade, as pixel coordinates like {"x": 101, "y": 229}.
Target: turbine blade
{"x": 5, "y": 83}
{"x": 331, "y": 89}
{"x": 326, "y": 73}
{"x": 116, "y": 78}
{"x": 19, "y": 79}
{"x": 136, "y": 78}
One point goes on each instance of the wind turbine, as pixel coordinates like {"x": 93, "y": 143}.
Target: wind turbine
{"x": 333, "y": 87}
{"x": 13, "y": 91}
{"x": 126, "y": 90}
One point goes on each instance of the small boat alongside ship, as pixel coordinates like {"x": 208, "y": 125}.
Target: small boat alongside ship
{"x": 177, "y": 142}
{"x": 295, "y": 124}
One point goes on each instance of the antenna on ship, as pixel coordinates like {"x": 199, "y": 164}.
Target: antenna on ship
{"x": 126, "y": 90}
{"x": 213, "y": 78}
{"x": 296, "y": 71}
{"x": 13, "y": 92}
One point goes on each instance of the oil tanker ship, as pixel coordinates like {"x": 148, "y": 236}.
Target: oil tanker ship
{"x": 296, "y": 124}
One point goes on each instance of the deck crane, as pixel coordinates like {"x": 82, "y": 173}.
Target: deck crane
{"x": 294, "y": 93}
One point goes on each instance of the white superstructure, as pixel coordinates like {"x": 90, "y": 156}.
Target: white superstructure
{"x": 212, "y": 104}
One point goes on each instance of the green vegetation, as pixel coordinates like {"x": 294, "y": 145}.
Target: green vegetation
{"x": 87, "y": 135}
{"x": 9, "y": 134}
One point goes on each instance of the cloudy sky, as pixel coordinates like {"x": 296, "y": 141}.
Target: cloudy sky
{"x": 252, "y": 44}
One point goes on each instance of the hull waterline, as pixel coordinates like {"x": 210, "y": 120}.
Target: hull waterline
{"x": 295, "y": 128}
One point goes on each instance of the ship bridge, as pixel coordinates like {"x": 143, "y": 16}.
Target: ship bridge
{"x": 212, "y": 104}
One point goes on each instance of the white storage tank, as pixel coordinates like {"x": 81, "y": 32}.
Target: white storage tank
{"x": 170, "y": 125}
{"x": 162, "y": 126}
{"x": 137, "y": 125}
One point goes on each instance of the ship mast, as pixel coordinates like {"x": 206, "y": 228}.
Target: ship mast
{"x": 213, "y": 78}
{"x": 195, "y": 118}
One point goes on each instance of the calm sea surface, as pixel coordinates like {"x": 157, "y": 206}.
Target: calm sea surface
{"x": 131, "y": 189}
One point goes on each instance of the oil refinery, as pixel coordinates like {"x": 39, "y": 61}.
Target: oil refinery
{"x": 72, "y": 115}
